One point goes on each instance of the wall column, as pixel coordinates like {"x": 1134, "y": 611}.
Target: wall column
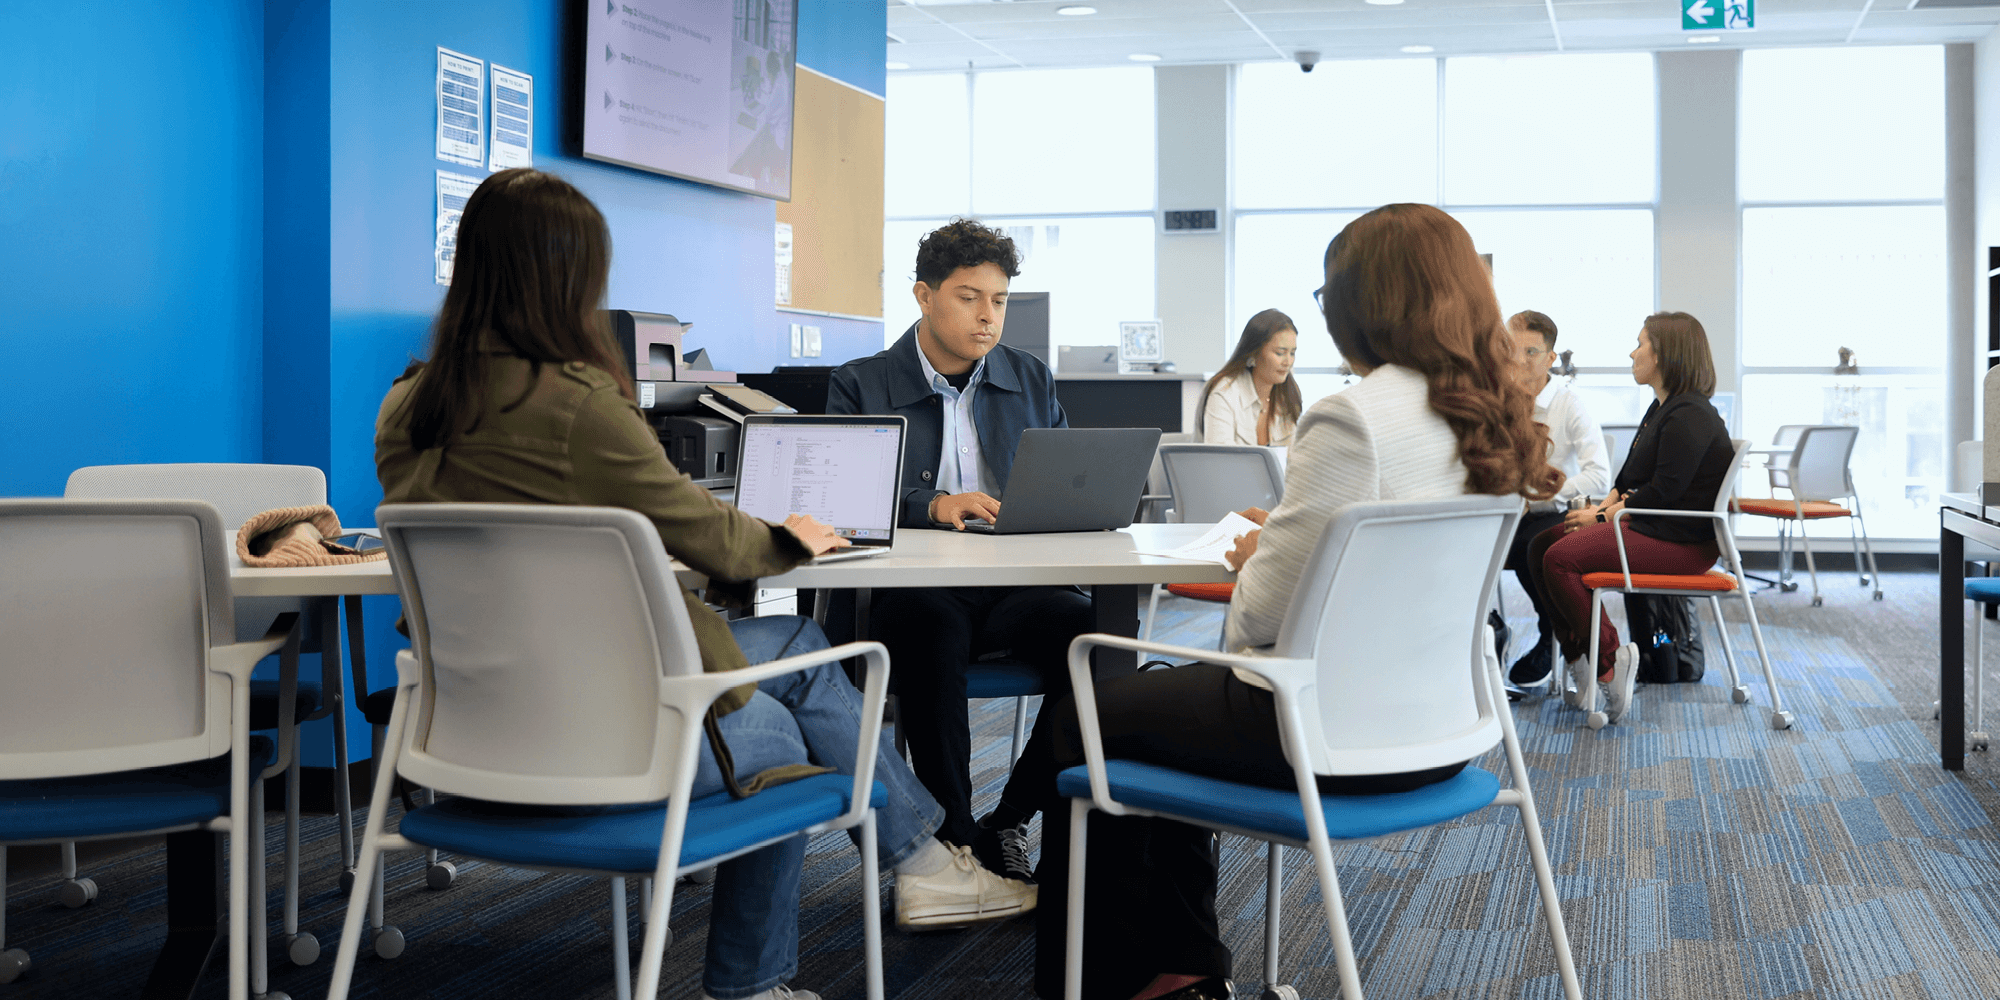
{"x": 1698, "y": 238}
{"x": 1192, "y": 274}
{"x": 1963, "y": 367}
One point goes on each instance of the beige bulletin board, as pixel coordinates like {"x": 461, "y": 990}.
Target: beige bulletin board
{"x": 836, "y": 207}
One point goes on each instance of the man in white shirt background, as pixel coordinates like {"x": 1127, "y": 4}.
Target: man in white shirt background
{"x": 1576, "y": 446}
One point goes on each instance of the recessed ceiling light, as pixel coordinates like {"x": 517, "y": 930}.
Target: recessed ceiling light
{"x": 1385, "y": 3}
{"x": 1143, "y": 57}
{"x": 1417, "y": 50}
{"x": 1703, "y": 39}
{"x": 1076, "y": 10}
{"x": 899, "y": 65}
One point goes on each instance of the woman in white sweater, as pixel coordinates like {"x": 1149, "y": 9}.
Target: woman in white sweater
{"x": 1254, "y": 399}
{"x": 1438, "y": 413}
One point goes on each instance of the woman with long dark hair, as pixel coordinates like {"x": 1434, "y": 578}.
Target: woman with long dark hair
{"x": 1678, "y": 460}
{"x": 1254, "y": 399}
{"x": 524, "y": 399}
{"x": 1438, "y": 413}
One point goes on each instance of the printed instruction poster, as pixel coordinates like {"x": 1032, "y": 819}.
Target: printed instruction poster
{"x": 452, "y": 191}
{"x": 513, "y": 134}
{"x": 784, "y": 256}
{"x": 461, "y": 100}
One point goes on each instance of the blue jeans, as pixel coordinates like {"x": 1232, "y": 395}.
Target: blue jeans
{"x": 813, "y": 716}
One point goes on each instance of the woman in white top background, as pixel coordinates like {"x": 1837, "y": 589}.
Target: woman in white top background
{"x": 1254, "y": 399}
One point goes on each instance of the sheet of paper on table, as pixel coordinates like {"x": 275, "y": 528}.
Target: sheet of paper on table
{"x": 1214, "y": 543}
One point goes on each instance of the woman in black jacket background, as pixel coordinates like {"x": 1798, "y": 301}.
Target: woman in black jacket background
{"x": 1678, "y": 461}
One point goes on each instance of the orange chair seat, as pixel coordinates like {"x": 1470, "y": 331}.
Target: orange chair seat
{"x": 1711, "y": 580}
{"x": 1765, "y": 507}
{"x": 1220, "y": 593}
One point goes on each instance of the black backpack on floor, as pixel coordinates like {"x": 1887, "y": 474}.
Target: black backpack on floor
{"x": 1668, "y": 636}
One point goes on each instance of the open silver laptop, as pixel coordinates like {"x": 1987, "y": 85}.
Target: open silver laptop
{"x": 1074, "y": 479}
{"x": 843, "y": 471}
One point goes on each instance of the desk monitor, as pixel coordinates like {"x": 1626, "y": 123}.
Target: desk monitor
{"x": 844, "y": 471}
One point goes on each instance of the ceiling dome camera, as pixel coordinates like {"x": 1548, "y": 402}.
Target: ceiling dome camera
{"x": 1307, "y": 59}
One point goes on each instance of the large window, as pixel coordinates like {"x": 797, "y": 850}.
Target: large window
{"x": 1548, "y": 161}
{"x": 1841, "y": 160}
{"x": 1062, "y": 160}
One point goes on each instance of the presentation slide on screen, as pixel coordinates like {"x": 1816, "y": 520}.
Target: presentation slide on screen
{"x": 700, "y": 89}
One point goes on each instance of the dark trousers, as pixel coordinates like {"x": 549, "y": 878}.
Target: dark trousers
{"x": 933, "y": 635}
{"x": 1559, "y": 562}
{"x": 1149, "y": 903}
{"x": 1532, "y": 524}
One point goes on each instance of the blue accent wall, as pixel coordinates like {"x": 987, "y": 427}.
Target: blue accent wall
{"x": 218, "y": 223}
{"x": 131, "y": 236}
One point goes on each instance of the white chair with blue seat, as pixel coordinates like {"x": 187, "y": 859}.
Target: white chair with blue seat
{"x": 529, "y": 693}
{"x": 128, "y": 698}
{"x": 1384, "y": 665}
{"x": 239, "y": 492}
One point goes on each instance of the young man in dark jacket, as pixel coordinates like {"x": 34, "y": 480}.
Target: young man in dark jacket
{"x": 967, "y": 398}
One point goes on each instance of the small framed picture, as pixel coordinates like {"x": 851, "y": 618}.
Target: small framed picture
{"x": 1140, "y": 347}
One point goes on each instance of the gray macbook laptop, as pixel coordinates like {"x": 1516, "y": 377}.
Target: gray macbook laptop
{"x": 841, "y": 470}
{"x": 1074, "y": 479}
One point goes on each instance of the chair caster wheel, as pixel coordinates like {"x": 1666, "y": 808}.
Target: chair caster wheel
{"x": 1781, "y": 720}
{"x": 1818, "y": 602}
{"x": 346, "y": 881}
{"x": 1740, "y": 695}
{"x": 302, "y": 949}
{"x": 1787, "y": 587}
{"x": 77, "y": 892}
{"x": 1976, "y": 741}
{"x": 1285, "y": 992}
{"x": 388, "y": 942}
{"x": 13, "y": 962}
{"x": 1935, "y": 711}
{"x": 702, "y": 877}
{"x": 1878, "y": 595}
{"x": 440, "y": 875}
{"x": 1597, "y": 720}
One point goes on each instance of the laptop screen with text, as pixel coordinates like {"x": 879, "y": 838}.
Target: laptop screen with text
{"x": 843, "y": 471}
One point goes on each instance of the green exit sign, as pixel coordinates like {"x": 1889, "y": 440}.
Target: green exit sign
{"x": 1718, "y": 15}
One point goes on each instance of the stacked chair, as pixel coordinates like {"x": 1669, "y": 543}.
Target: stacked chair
{"x": 1384, "y": 664}
{"x": 128, "y": 695}
{"x": 527, "y": 695}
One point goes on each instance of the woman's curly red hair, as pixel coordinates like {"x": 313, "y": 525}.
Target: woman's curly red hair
{"x": 1405, "y": 287}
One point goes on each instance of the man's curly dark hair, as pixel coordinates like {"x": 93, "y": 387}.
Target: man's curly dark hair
{"x": 964, "y": 243}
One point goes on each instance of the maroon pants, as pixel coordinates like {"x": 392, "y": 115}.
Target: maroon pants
{"x": 1559, "y": 562}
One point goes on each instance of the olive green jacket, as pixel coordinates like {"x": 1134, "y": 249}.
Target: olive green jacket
{"x": 571, "y": 438}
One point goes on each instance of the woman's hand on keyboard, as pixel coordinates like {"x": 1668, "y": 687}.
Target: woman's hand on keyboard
{"x": 816, "y": 537}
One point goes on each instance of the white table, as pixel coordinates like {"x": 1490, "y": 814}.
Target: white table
{"x": 1105, "y": 561}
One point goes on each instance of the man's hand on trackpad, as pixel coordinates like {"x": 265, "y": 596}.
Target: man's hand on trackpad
{"x": 954, "y": 508}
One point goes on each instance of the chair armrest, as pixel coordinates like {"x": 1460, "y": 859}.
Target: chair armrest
{"x": 238, "y": 659}
{"x": 1625, "y": 564}
{"x": 874, "y": 696}
{"x": 1285, "y": 675}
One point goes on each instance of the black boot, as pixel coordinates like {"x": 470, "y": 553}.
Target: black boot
{"x": 1536, "y": 666}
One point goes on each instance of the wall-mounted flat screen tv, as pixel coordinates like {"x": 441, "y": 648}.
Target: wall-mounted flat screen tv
{"x": 696, "y": 89}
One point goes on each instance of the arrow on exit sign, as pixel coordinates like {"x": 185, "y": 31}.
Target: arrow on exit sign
{"x": 1718, "y": 15}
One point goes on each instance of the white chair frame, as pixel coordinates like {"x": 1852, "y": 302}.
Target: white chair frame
{"x": 1585, "y": 695}
{"x": 1292, "y": 679}
{"x": 685, "y": 695}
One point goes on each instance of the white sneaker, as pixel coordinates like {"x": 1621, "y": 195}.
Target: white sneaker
{"x": 775, "y": 993}
{"x": 1624, "y": 674}
{"x": 963, "y": 893}
{"x": 1583, "y": 684}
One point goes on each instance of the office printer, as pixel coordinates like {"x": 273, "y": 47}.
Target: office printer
{"x": 670, "y": 380}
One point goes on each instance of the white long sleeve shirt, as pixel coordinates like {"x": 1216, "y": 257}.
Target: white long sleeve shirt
{"x": 1231, "y": 413}
{"x": 1576, "y": 445}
